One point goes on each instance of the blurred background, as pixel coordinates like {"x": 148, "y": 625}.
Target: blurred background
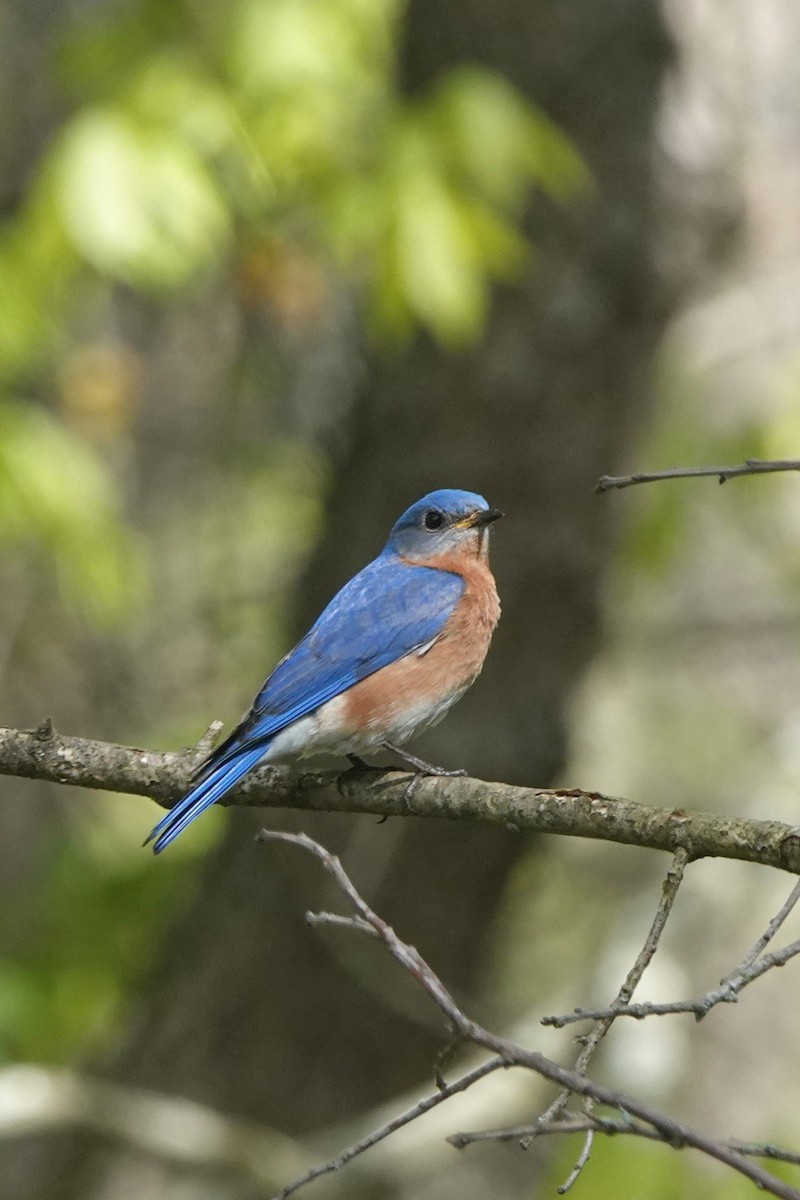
{"x": 271, "y": 269}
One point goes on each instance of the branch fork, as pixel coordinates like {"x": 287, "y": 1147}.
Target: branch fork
{"x": 633, "y": 1117}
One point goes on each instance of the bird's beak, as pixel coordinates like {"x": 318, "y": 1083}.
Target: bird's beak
{"x": 482, "y": 516}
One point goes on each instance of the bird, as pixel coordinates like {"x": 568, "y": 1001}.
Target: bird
{"x": 395, "y": 648}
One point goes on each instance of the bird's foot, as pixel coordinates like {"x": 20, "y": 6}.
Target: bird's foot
{"x": 427, "y": 772}
{"x": 422, "y": 770}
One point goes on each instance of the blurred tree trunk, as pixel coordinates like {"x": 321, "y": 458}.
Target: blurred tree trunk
{"x": 530, "y": 417}
{"x": 251, "y": 1011}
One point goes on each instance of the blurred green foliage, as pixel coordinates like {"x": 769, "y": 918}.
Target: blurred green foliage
{"x": 664, "y": 517}
{"x": 282, "y": 119}
{"x": 627, "y": 1167}
{"x": 252, "y": 143}
{"x": 55, "y": 494}
{"x": 260, "y": 149}
{"x": 84, "y": 943}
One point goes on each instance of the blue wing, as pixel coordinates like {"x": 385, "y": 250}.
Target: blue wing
{"x": 383, "y": 613}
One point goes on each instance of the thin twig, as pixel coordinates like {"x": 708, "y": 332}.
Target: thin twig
{"x": 444, "y": 1056}
{"x": 205, "y": 744}
{"x": 326, "y": 918}
{"x": 412, "y": 1114}
{"x": 524, "y": 1134}
{"x": 583, "y": 1159}
{"x": 606, "y": 1125}
{"x": 770, "y": 931}
{"x": 751, "y": 466}
{"x": 674, "y": 1133}
{"x": 754, "y": 964}
{"x": 733, "y": 985}
{"x": 669, "y": 891}
{"x": 766, "y": 1150}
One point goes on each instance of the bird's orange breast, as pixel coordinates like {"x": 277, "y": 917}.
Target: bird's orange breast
{"x": 421, "y": 686}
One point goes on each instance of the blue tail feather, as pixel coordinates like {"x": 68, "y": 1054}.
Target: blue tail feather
{"x": 201, "y": 797}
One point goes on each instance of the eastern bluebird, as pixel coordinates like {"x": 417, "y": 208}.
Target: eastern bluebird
{"x": 392, "y": 652}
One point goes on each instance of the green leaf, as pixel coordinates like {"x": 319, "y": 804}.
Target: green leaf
{"x": 434, "y": 258}
{"x": 500, "y": 142}
{"x": 138, "y": 202}
{"x": 55, "y": 494}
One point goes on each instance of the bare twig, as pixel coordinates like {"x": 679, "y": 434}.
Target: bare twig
{"x": 412, "y": 1114}
{"x": 45, "y": 754}
{"x": 669, "y": 891}
{"x": 204, "y": 745}
{"x": 766, "y": 1150}
{"x": 524, "y": 1134}
{"x": 754, "y": 964}
{"x": 509, "y": 1053}
{"x": 770, "y": 931}
{"x": 751, "y": 466}
{"x": 583, "y": 1159}
{"x": 726, "y": 993}
{"x": 609, "y": 1126}
{"x": 326, "y": 918}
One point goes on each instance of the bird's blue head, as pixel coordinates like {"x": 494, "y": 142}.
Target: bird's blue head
{"x": 443, "y": 523}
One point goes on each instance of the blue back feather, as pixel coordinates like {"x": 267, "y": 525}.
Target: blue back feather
{"x": 387, "y": 610}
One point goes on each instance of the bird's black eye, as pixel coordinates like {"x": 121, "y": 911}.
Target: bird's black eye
{"x": 433, "y": 519}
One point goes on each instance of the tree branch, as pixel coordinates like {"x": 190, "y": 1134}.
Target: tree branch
{"x": 751, "y": 466}
{"x": 669, "y": 891}
{"x": 666, "y": 1129}
{"x": 595, "y": 1124}
{"x": 164, "y": 776}
{"x": 383, "y": 1131}
{"x": 755, "y": 964}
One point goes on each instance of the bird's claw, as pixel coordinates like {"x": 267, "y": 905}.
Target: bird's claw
{"x": 428, "y": 771}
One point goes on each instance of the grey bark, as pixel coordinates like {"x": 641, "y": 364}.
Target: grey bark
{"x": 78, "y": 762}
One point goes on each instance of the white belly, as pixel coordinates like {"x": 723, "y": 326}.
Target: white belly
{"x": 327, "y": 731}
